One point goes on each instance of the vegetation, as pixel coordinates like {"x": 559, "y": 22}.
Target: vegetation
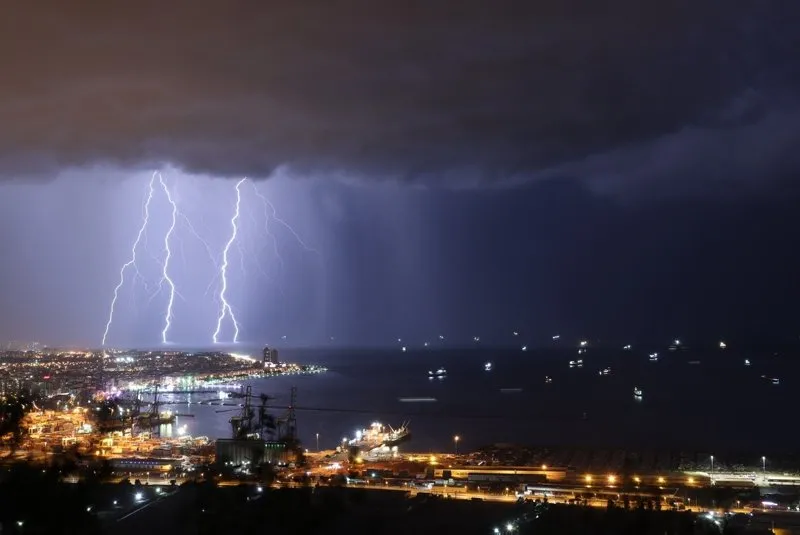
{"x": 12, "y": 411}
{"x": 36, "y": 500}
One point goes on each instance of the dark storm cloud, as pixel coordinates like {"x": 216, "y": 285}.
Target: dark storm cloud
{"x": 619, "y": 92}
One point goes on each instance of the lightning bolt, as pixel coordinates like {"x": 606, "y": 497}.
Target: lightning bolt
{"x": 165, "y": 266}
{"x": 197, "y": 235}
{"x": 287, "y": 226}
{"x": 225, "y": 309}
{"x": 267, "y": 205}
{"x": 132, "y": 261}
{"x": 255, "y": 257}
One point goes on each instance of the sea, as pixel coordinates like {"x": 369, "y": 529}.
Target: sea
{"x": 692, "y": 399}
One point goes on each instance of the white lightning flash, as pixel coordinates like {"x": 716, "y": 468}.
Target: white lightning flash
{"x": 132, "y": 261}
{"x": 267, "y": 205}
{"x": 165, "y": 266}
{"x": 274, "y": 217}
{"x": 225, "y": 308}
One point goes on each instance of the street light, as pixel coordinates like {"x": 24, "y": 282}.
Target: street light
{"x": 455, "y": 443}
{"x": 318, "y": 442}
{"x": 763, "y": 464}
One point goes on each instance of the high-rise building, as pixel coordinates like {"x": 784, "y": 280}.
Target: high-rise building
{"x": 270, "y": 356}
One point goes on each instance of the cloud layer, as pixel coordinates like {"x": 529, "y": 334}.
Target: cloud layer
{"x": 626, "y": 94}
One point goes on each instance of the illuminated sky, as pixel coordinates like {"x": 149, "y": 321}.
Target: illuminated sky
{"x": 489, "y": 166}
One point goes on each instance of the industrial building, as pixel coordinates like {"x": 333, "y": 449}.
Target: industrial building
{"x": 252, "y": 451}
{"x": 137, "y": 464}
{"x": 516, "y": 474}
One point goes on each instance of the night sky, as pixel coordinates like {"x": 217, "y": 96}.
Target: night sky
{"x": 622, "y": 170}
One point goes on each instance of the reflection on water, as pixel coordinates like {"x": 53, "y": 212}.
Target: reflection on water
{"x": 366, "y": 386}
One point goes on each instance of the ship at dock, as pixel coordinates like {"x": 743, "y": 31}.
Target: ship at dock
{"x": 379, "y": 437}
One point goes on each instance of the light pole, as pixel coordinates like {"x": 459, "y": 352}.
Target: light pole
{"x": 455, "y": 443}
{"x": 317, "y": 442}
{"x": 764, "y": 464}
{"x": 712, "y": 469}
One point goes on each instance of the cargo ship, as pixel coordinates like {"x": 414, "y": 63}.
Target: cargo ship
{"x": 378, "y": 435}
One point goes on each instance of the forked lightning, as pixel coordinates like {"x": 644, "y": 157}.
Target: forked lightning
{"x": 225, "y": 307}
{"x": 132, "y": 261}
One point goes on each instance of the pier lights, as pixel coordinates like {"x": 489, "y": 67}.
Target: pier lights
{"x": 544, "y": 467}
{"x": 588, "y": 480}
{"x": 660, "y": 480}
{"x": 611, "y": 480}
{"x": 690, "y": 481}
{"x": 637, "y": 480}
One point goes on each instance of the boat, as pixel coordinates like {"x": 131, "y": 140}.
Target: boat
{"x": 604, "y": 371}
{"x": 441, "y": 373}
{"x": 747, "y": 362}
{"x": 653, "y": 357}
{"x": 576, "y": 363}
{"x": 488, "y": 366}
{"x": 378, "y": 435}
{"x": 548, "y": 379}
{"x": 416, "y": 400}
{"x": 637, "y": 392}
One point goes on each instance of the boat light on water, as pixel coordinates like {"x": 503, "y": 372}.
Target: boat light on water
{"x": 488, "y": 366}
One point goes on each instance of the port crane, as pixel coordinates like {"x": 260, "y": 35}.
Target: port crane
{"x": 265, "y": 425}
